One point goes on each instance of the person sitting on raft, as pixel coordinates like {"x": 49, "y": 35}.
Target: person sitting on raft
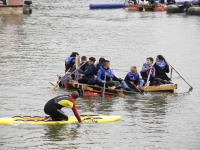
{"x": 162, "y": 68}
{"x": 99, "y": 64}
{"x": 105, "y": 71}
{"x": 84, "y": 67}
{"x": 84, "y": 60}
{"x": 171, "y": 2}
{"x": 70, "y": 61}
{"x": 88, "y": 77}
{"x": 146, "y": 69}
{"x": 132, "y": 77}
{"x": 53, "y": 107}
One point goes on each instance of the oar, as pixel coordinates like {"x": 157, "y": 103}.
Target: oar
{"x": 58, "y": 82}
{"x": 66, "y": 76}
{"x": 181, "y": 77}
{"x": 124, "y": 4}
{"x": 143, "y": 6}
{"x": 137, "y": 88}
{"x": 104, "y": 86}
{"x": 147, "y": 84}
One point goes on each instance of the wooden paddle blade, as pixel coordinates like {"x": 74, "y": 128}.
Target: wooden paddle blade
{"x": 89, "y": 89}
{"x": 121, "y": 94}
{"x": 56, "y": 86}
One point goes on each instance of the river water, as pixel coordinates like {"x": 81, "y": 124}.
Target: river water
{"x": 33, "y": 49}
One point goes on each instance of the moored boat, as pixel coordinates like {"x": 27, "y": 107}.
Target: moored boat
{"x": 15, "y": 7}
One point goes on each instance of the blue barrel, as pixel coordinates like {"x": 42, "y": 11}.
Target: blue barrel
{"x": 107, "y": 5}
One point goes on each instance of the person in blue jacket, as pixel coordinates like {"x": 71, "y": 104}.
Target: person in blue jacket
{"x": 88, "y": 77}
{"x": 70, "y": 61}
{"x": 105, "y": 71}
{"x": 132, "y": 77}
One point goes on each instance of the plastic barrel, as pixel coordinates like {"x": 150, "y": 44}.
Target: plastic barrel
{"x": 67, "y": 86}
{"x": 107, "y": 5}
{"x": 160, "y": 8}
{"x": 194, "y": 11}
{"x": 27, "y": 10}
{"x": 133, "y": 8}
{"x": 94, "y": 94}
{"x": 173, "y": 9}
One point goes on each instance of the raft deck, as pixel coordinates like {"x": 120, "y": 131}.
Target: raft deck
{"x": 155, "y": 88}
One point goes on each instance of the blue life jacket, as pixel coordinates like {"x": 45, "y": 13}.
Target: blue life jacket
{"x": 68, "y": 59}
{"x": 133, "y": 77}
{"x": 161, "y": 64}
{"x": 152, "y": 70}
{"x": 109, "y": 72}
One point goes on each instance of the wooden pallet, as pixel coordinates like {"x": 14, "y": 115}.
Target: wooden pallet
{"x": 155, "y": 88}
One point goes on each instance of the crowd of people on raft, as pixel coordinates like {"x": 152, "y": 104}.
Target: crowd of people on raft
{"x": 100, "y": 73}
{"x": 151, "y": 2}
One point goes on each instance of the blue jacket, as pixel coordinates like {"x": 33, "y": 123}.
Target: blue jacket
{"x": 89, "y": 73}
{"x": 132, "y": 77}
{"x": 101, "y": 74}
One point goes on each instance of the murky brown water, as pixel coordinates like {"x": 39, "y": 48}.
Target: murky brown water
{"x": 33, "y": 49}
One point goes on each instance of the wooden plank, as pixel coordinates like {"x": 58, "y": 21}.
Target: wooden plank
{"x": 164, "y": 87}
{"x": 11, "y": 10}
{"x": 14, "y": 2}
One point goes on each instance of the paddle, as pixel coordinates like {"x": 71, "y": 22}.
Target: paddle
{"x": 181, "y": 77}
{"x": 59, "y": 81}
{"x": 66, "y": 76}
{"x": 104, "y": 86}
{"x": 124, "y": 4}
{"x": 137, "y": 88}
{"x": 147, "y": 84}
{"x": 143, "y": 6}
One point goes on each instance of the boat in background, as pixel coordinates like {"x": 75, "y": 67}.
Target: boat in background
{"x": 15, "y": 7}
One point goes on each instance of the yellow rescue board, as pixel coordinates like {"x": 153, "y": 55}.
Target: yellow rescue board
{"x": 35, "y": 120}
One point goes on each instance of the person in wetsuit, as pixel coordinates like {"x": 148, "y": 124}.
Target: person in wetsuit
{"x": 88, "y": 77}
{"x": 53, "y": 107}
{"x": 70, "y": 61}
{"x": 162, "y": 68}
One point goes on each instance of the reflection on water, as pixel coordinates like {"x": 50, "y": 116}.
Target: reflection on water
{"x": 61, "y": 132}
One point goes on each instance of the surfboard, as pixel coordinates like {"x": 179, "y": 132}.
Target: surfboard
{"x": 36, "y": 120}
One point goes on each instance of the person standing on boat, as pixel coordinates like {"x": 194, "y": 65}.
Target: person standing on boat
{"x": 88, "y": 77}
{"x": 70, "y": 61}
{"x": 53, "y": 107}
{"x": 105, "y": 71}
{"x": 132, "y": 77}
{"x": 162, "y": 68}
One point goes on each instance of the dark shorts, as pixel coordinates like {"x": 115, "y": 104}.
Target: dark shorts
{"x": 55, "y": 114}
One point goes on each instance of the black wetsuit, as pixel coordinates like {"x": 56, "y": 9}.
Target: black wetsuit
{"x": 53, "y": 108}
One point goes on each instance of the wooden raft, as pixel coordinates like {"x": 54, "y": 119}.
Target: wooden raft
{"x": 155, "y": 88}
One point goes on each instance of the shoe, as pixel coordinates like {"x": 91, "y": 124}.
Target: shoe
{"x": 118, "y": 87}
{"x": 127, "y": 89}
